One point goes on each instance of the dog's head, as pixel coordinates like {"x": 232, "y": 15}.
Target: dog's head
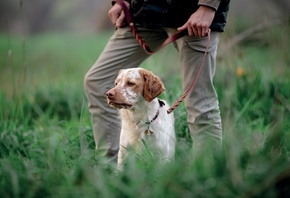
{"x": 133, "y": 84}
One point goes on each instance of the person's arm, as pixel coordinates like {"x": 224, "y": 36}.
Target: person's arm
{"x": 117, "y": 14}
{"x": 199, "y": 22}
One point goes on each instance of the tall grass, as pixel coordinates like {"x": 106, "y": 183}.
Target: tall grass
{"x": 46, "y": 143}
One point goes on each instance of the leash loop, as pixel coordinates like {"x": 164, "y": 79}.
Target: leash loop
{"x": 195, "y": 78}
{"x": 139, "y": 38}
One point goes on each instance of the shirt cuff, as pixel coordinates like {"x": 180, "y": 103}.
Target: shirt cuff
{"x": 214, "y": 4}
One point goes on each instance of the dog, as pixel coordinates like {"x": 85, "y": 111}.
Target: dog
{"x": 145, "y": 121}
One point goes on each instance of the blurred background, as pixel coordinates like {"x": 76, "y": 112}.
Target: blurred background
{"x": 34, "y": 16}
{"x": 46, "y": 142}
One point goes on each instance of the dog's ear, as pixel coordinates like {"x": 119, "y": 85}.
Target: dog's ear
{"x": 153, "y": 86}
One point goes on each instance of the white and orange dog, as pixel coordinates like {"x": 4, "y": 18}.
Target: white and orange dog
{"x": 143, "y": 115}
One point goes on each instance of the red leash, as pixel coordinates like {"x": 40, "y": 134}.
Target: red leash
{"x": 166, "y": 42}
{"x": 195, "y": 78}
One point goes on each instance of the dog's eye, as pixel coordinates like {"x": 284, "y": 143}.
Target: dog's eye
{"x": 130, "y": 84}
{"x": 115, "y": 83}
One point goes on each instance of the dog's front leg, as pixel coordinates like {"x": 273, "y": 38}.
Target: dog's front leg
{"x": 121, "y": 157}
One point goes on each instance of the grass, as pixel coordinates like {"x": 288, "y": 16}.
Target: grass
{"x": 46, "y": 143}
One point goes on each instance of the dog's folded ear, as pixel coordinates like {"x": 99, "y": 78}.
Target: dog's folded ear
{"x": 153, "y": 86}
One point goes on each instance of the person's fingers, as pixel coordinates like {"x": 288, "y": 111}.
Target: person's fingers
{"x": 201, "y": 30}
{"x": 113, "y": 17}
{"x": 204, "y": 31}
{"x": 184, "y": 27}
{"x": 114, "y": 13}
{"x": 120, "y": 20}
{"x": 194, "y": 29}
{"x": 198, "y": 31}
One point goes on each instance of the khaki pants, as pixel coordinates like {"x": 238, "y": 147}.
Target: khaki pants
{"x": 123, "y": 51}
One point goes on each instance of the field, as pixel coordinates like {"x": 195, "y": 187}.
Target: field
{"x": 46, "y": 142}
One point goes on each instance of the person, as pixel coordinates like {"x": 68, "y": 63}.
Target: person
{"x": 156, "y": 20}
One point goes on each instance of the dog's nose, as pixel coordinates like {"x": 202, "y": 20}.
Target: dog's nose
{"x": 110, "y": 93}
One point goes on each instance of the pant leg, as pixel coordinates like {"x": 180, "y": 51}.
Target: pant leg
{"x": 202, "y": 104}
{"x": 122, "y": 51}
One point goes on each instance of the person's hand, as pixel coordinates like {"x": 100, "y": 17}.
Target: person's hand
{"x": 199, "y": 22}
{"x": 117, "y": 14}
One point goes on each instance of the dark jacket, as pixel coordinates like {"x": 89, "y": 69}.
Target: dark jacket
{"x": 174, "y": 13}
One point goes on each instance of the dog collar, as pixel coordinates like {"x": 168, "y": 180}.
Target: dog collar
{"x": 161, "y": 104}
{"x": 147, "y": 131}
{"x": 154, "y": 118}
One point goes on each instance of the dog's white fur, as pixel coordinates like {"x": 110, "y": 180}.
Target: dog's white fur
{"x": 135, "y": 94}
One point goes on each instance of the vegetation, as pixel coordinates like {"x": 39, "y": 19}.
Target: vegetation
{"x": 46, "y": 142}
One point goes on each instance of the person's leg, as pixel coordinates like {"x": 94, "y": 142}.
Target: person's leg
{"x": 122, "y": 51}
{"x": 202, "y": 104}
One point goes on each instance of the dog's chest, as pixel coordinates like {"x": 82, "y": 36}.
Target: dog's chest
{"x": 139, "y": 124}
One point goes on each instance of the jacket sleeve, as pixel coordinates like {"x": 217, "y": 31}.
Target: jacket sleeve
{"x": 214, "y": 4}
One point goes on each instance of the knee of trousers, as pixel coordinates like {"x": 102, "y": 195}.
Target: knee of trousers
{"x": 89, "y": 82}
{"x": 203, "y": 111}
{"x": 95, "y": 86}
{"x": 206, "y": 120}
{"x": 95, "y": 89}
